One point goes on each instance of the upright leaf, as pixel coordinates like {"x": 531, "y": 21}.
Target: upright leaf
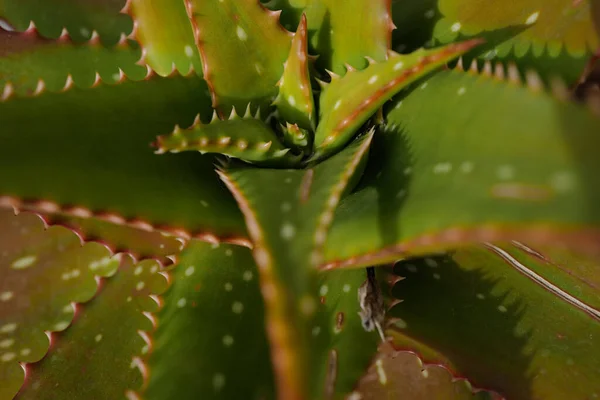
{"x": 164, "y": 31}
{"x": 288, "y": 226}
{"x": 243, "y": 49}
{"x": 348, "y": 102}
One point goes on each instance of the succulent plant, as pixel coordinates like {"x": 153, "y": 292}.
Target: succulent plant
{"x": 299, "y": 199}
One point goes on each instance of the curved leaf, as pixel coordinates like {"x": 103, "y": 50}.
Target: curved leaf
{"x": 247, "y": 137}
{"x": 42, "y": 275}
{"x": 504, "y": 329}
{"x": 210, "y": 340}
{"x": 347, "y": 102}
{"x": 80, "y": 18}
{"x": 106, "y": 341}
{"x": 244, "y": 67}
{"x": 434, "y": 180}
{"x": 163, "y": 29}
{"x": 295, "y": 101}
{"x": 87, "y": 153}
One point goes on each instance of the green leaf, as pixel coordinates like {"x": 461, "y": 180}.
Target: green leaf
{"x": 414, "y": 21}
{"x": 80, "y": 18}
{"x": 163, "y": 29}
{"x": 107, "y": 340}
{"x": 401, "y": 374}
{"x": 348, "y": 102}
{"x": 295, "y": 101}
{"x": 559, "y": 40}
{"x": 537, "y": 342}
{"x": 288, "y": 213}
{"x": 246, "y": 67}
{"x": 211, "y": 340}
{"x": 434, "y": 181}
{"x": 88, "y": 151}
{"x": 43, "y": 273}
{"x": 247, "y": 137}
{"x": 30, "y": 64}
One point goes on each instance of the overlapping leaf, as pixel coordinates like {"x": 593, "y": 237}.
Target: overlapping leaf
{"x": 211, "y": 338}
{"x": 507, "y": 328}
{"x": 80, "y": 18}
{"x": 87, "y": 151}
{"x": 43, "y": 274}
{"x": 470, "y": 158}
{"x": 348, "y": 102}
{"x": 243, "y": 49}
{"x": 29, "y": 63}
{"x": 288, "y": 226}
{"x": 163, "y": 29}
{"x": 99, "y": 355}
{"x": 558, "y": 41}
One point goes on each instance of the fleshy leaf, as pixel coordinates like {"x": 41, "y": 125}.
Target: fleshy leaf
{"x": 288, "y": 213}
{"x": 80, "y": 18}
{"x": 505, "y": 329}
{"x": 559, "y": 40}
{"x": 243, "y": 49}
{"x": 341, "y": 32}
{"x": 106, "y": 341}
{"x": 247, "y": 137}
{"x": 348, "y": 102}
{"x": 401, "y": 374}
{"x": 211, "y": 339}
{"x": 295, "y": 101}
{"x": 30, "y": 64}
{"x": 88, "y": 152}
{"x": 163, "y": 29}
{"x": 433, "y": 182}
{"x": 42, "y": 275}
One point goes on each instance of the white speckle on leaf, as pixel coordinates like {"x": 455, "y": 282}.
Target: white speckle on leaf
{"x": 98, "y": 337}
{"x": 337, "y": 104}
{"x": 288, "y": 231}
{"x": 398, "y": 66}
{"x": 411, "y": 268}
{"x": 6, "y": 357}
{"x": 480, "y": 296}
{"x": 346, "y": 288}
{"x": 228, "y": 252}
{"x": 228, "y": 287}
{"x": 532, "y": 19}
{"x": 429, "y": 13}
{"x": 25, "y": 352}
{"x": 442, "y": 168}
{"x": 228, "y": 340}
{"x": 189, "y": 51}
{"x": 190, "y": 270}
{"x": 181, "y": 302}
{"x": 462, "y": 90}
{"x": 562, "y": 182}
{"x": 204, "y": 203}
{"x": 248, "y": 275}
{"x": 8, "y": 328}
{"x": 323, "y": 290}
{"x": 425, "y": 373}
{"x": 316, "y": 330}
{"x": 140, "y": 285}
{"x": 218, "y": 382}
{"x": 241, "y": 33}
{"x": 436, "y": 277}
{"x": 505, "y": 172}
{"x": 466, "y": 167}
{"x": 6, "y": 343}
{"x": 373, "y": 79}
{"x": 138, "y": 270}
{"x": 237, "y": 307}
{"x": 6, "y": 296}
{"x": 502, "y": 309}
{"x": 292, "y": 100}
{"x": 456, "y": 27}
{"x": 430, "y": 262}
{"x": 24, "y": 262}
{"x": 285, "y": 206}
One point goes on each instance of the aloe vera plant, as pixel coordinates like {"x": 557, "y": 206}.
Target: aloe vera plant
{"x": 299, "y": 199}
